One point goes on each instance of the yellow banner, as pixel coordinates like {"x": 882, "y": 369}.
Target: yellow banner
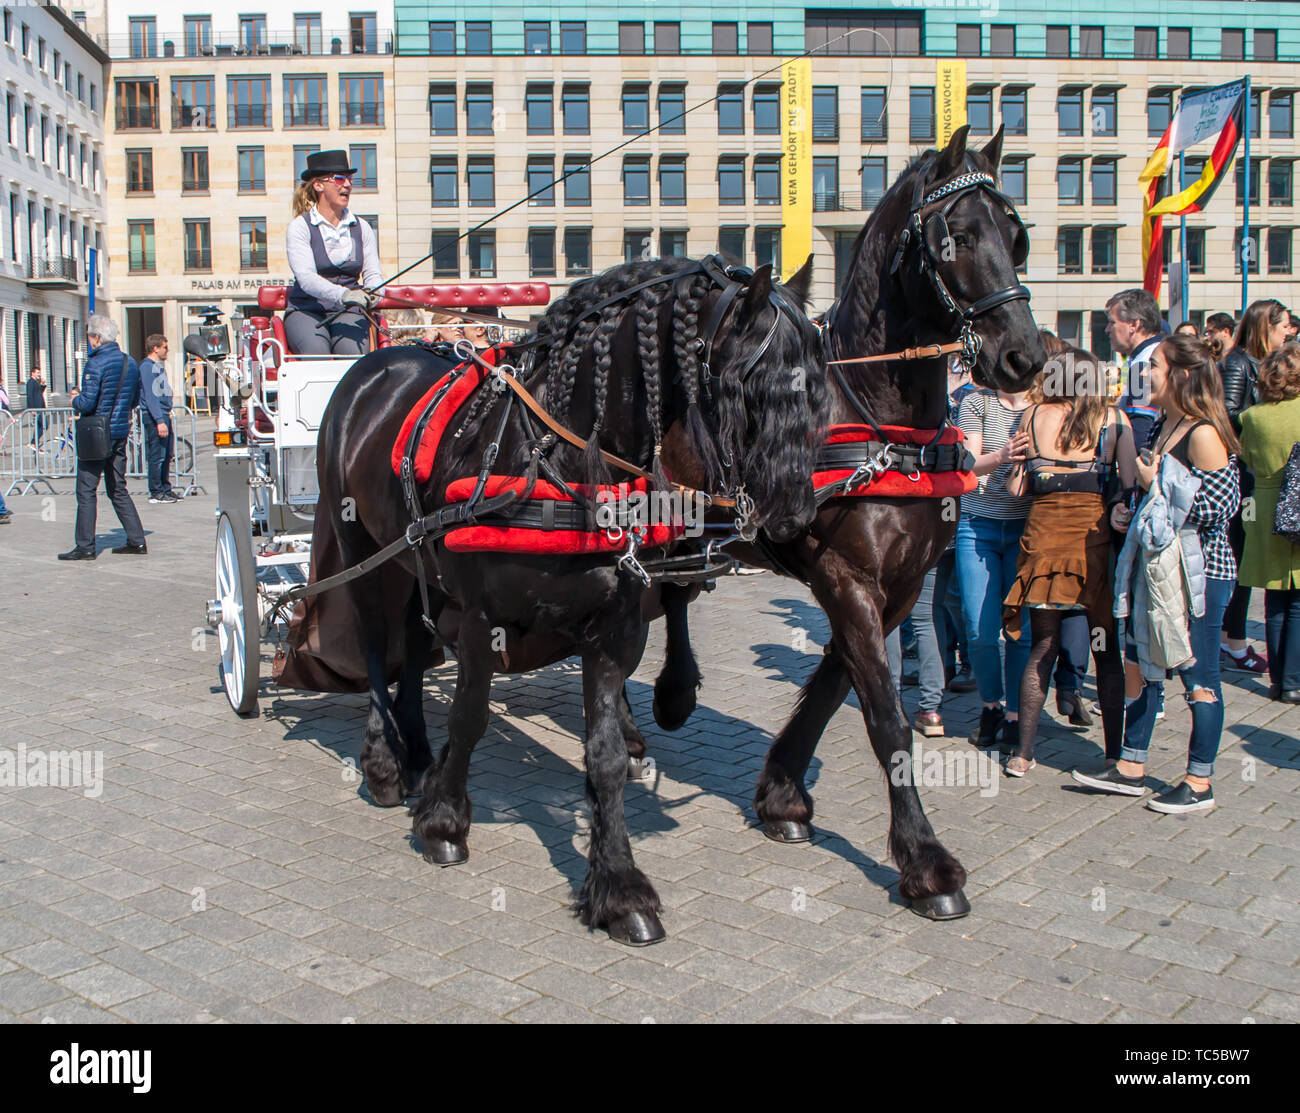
{"x": 951, "y": 99}
{"x": 796, "y": 165}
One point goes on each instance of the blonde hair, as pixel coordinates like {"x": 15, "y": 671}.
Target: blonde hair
{"x": 304, "y": 197}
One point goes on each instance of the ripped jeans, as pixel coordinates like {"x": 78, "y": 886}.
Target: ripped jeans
{"x": 1203, "y": 672}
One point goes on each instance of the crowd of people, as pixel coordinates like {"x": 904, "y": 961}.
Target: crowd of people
{"x": 1131, "y": 529}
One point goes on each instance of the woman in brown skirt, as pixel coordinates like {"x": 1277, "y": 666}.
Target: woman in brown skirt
{"x": 1078, "y": 444}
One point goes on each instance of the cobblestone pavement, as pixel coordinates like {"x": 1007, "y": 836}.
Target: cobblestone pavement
{"x": 234, "y": 870}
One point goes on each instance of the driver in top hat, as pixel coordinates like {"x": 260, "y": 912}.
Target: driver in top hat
{"x": 334, "y": 257}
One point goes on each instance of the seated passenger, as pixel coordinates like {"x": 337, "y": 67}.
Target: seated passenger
{"x": 333, "y": 254}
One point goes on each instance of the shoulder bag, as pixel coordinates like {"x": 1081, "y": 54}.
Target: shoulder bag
{"x": 1286, "y": 519}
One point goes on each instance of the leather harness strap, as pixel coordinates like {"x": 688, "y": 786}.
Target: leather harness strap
{"x": 924, "y": 351}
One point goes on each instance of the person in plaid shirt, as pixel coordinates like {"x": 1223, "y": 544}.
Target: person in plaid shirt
{"x": 1196, "y": 432}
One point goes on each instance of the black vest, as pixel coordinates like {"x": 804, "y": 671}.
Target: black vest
{"x": 341, "y": 274}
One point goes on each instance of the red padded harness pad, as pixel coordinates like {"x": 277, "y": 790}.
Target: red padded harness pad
{"x": 456, "y": 397}
{"x": 894, "y": 484}
{"x": 526, "y": 539}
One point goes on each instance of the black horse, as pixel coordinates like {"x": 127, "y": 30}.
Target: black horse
{"x": 935, "y": 262}
{"x": 624, "y": 361}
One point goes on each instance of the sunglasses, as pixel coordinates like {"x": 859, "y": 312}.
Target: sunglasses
{"x": 341, "y": 179}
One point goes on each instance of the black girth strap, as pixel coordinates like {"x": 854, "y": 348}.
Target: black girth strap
{"x": 906, "y": 458}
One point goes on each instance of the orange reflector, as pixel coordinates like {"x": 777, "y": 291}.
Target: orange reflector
{"x": 223, "y": 439}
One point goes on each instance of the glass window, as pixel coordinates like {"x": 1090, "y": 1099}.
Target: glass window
{"x": 875, "y": 118}
{"x": 1103, "y": 112}
{"x": 541, "y": 252}
{"x": 573, "y": 38}
{"x": 365, "y": 157}
{"x": 1281, "y": 116}
{"x": 1192, "y": 167}
{"x": 1069, "y": 326}
{"x": 248, "y": 101}
{"x": 1196, "y": 250}
{"x": 445, "y": 246}
{"x": 731, "y": 180}
{"x": 305, "y": 103}
{"x": 577, "y": 185}
{"x": 364, "y": 32}
{"x": 576, "y": 106}
{"x": 767, "y": 110}
{"x": 758, "y": 41}
{"x": 252, "y": 33}
{"x": 1250, "y": 248}
{"x": 1178, "y": 42}
{"x": 826, "y": 112}
{"x": 979, "y": 110}
{"x": 198, "y": 35}
{"x": 874, "y": 181}
{"x": 482, "y": 255}
{"x": 577, "y": 251}
{"x": 139, "y": 171}
{"x": 194, "y": 170}
{"x": 307, "y": 34}
{"x": 969, "y": 43}
{"x": 1256, "y": 172}
{"x": 478, "y": 109}
{"x": 1002, "y": 40}
{"x": 537, "y": 40}
{"x": 1069, "y": 250}
{"x": 1159, "y": 111}
{"x": 1058, "y": 42}
{"x": 198, "y": 245}
{"x": 638, "y": 243}
{"x": 139, "y": 235}
{"x": 636, "y": 109}
{"x": 478, "y": 39}
{"x": 1069, "y": 181}
{"x": 731, "y": 110}
{"x": 826, "y": 184}
{"x": 480, "y": 177}
{"x": 921, "y": 114}
{"x": 252, "y": 243}
{"x": 1103, "y": 181}
{"x": 443, "y": 183}
{"x": 672, "y": 179}
{"x": 672, "y": 243}
{"x": 541, "y": 174}
{"x": 1279, "y": 183}
{"x": 442, "y": 109}
{"x": 895, "y": 35}
{"x": 1279, "y": 249}
{"x": 672, "y": 109}
{"x": 442, "y": 38}
{"x": 1092, "y": 42}
{"x": 631, "y": 38}
{"x": 361, "y": 100}
{"x": 1254, "y": 108}
{"x": 144, "y": 37}
{"x": 539, "y": 108}
{"x": 1069, "y": 111}
{"x": 1232, "y": 44}
{"x": 767, "y": 248}
{"x": 1015, "y": 180}
{"x": 300, "y": 153}
{"x": 636, "y": 180}
{"x": 252, "y": 169}
{"x": 731, "y": 243}
{"x": 726, "y": 38}
{"x": 192, "y": 103}
{"x": 1146, "y": 42}
{"x": 767, "y": 179}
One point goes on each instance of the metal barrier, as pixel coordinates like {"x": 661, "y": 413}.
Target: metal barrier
{"x": 39, "y": 446}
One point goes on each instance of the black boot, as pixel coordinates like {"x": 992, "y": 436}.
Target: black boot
{"x": 991, "y": 721}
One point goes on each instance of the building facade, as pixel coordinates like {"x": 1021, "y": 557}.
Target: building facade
{"x": 211, "y": 117}
{"x": 52, "y": 167}
{"x": 495, "y": 100}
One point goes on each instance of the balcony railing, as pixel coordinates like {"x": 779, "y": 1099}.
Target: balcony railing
{"x": 142, "y": 116}
{"x": 248, "y": 115}
{"x": 367, "y": 113}
{"x": 306, "y": 115}
{"x": 851, "y": 202}
{"x": 197, "y": 117}
{"x": 252, "y": 260}
{"x": 230, "y": 44}
{"x": 198, "y": 260}
{"x": 53, "y": 269}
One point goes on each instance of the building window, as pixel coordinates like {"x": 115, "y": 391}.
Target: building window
{"x": 1279, "y": 250}
{"x": 921, "y": 114}
{"x": 482, "y": 255}
{"x": 541, "y": 176}
{"x": 758, "y": 38}
{"x": 307, "y": 34}
{"x": 252, "y": 34}
{"x": 875, "y": 116}
{"x": 478, "y": 109}
{"x": 1280, "y": 116}
{"x": 731, "y": 180}
{"x": 1069, "y": 326}
{"x": 636, "y": 180}
{"x": 139, "y": 235}
{"x": 1250, "y": 249}
{"x": 636, "y": 109}
{"x": 442, "y": 38}
{"x": 144, "y": 37}
{"x": 726, "y": 38}
{"x": 895, "y": 35}
{"x": 1178, "y": 42}
{"x": 1002, "y": 40}
{"x": 731, "y": 243}
{"x": 1104, "y": 255}
{"x": 1192, "y": 167}
{"x": 672, "y": 109}
{"x": 300, "y": 153}
{"x": 767, "y": 110}
{"x": 198, "y": 35}
{"x": 631, "y": 38}
{"x": 767, "y": 248}
{"x": 1196, "y": 250}
{"x": 252, "y": 243}
{"x": 139, "y": 171}
{"x": 1254, "y": 107}
{"x": 826, "y": 184}
{"x": 541, "y": 252}
{"x": 305, "y": 103}
{"x": 672, "y": 179}
{"x": 1256, "y": 172}
{"x": 365, "y": 157}
{"x": 361, "y": 100}
{"x": 442, "y": 109}
{"x": 577, "y": 182}
{"x": 1103, "y": 112}
{"x": 874, "y": 181}
{"x": 1069, "y": 111}
{"x": 364, "y": 28}
{"x": 575, "y": 103}
{"x": 767, "y": 179}
{"x": 1069, "y": 250}
{"x": 537, "y": 40}
{"x": 444, "y": 245}
{"x": 1232, "y": 44}
{"x": 444, "y": 182}
{"x": 252, "y": 170}
{"x": 1058, "y": 42}
{"x": 672, "y": 243}
{"x": 577, "y": 251}
{"x": 1146, "y": 42}
{"x": 637, "y": 244}
{"x": 194, "y": 170}
{"x": 1069, "y": 181}
{"x": 731, "y": 110}
{"x": 248, "y": 102}
{"x": 826, "y": 112}
{"x": 969, "y": 44}
{"x": 198, "y": 245}
{"x": 1015, "y": 180}
{"x": 480, "y": 180}
{"x": 1159, "y": 111}
{"x": 979, "y": 110}
{"x": 539, "y": 109}
{"x": 1015, "y": 110}
{"x": 573, "y": 38}
{"x": 1279, "y": 183}
{"x": 478, "y": 40}
{"x": 137, "y": 104}
{"x": 1092, "y": 42}
{"x": 1103, "y": 181}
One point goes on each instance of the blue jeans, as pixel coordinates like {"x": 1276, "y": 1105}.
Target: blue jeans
{"x": 987, "y": 551}
{"x": 1282, "y": 632}
{"x": 1203, "y": 673}
{"x": 160, "y": 451}
{"x": 929, "y": 662}
{"x": 1072, "y": 662}
{"x": 947, "y": 613}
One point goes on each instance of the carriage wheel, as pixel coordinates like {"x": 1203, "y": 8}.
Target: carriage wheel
{"x": 237, "y": 617}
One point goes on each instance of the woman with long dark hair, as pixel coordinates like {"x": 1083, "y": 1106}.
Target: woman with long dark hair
{"x": 1197, "y": 433}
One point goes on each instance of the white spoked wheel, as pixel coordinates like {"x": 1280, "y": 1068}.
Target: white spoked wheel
{"x": 237, "y": 616}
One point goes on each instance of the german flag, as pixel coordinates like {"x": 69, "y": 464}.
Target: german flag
{"x": 1220, "y": 112}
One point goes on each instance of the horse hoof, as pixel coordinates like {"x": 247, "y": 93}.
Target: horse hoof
{"x": 635, "y": 769}
{"x": 441, "y": 852}
{"x": 942, "y": 906}
{"x": 388, "y": 796}
{"x": 636, "y": 929}
{"x": 787, "y": 830}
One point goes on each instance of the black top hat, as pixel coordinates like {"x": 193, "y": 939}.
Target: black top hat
{"x": 321, "y": 164}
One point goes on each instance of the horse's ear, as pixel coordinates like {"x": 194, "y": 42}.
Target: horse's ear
{"x": 950, "y": 161}
{"x": 759, "y": 289}
{"x": 992, "y": 153}
{"x": 800, "y": 284}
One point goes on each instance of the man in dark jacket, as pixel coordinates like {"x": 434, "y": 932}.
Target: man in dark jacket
{"x": 110, "y": 385}
{"x": 36, "y": 400}
{"x": 159, "y": 435}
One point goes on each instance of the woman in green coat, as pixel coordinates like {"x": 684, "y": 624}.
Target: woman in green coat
{"x": 1268, "y": 432}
